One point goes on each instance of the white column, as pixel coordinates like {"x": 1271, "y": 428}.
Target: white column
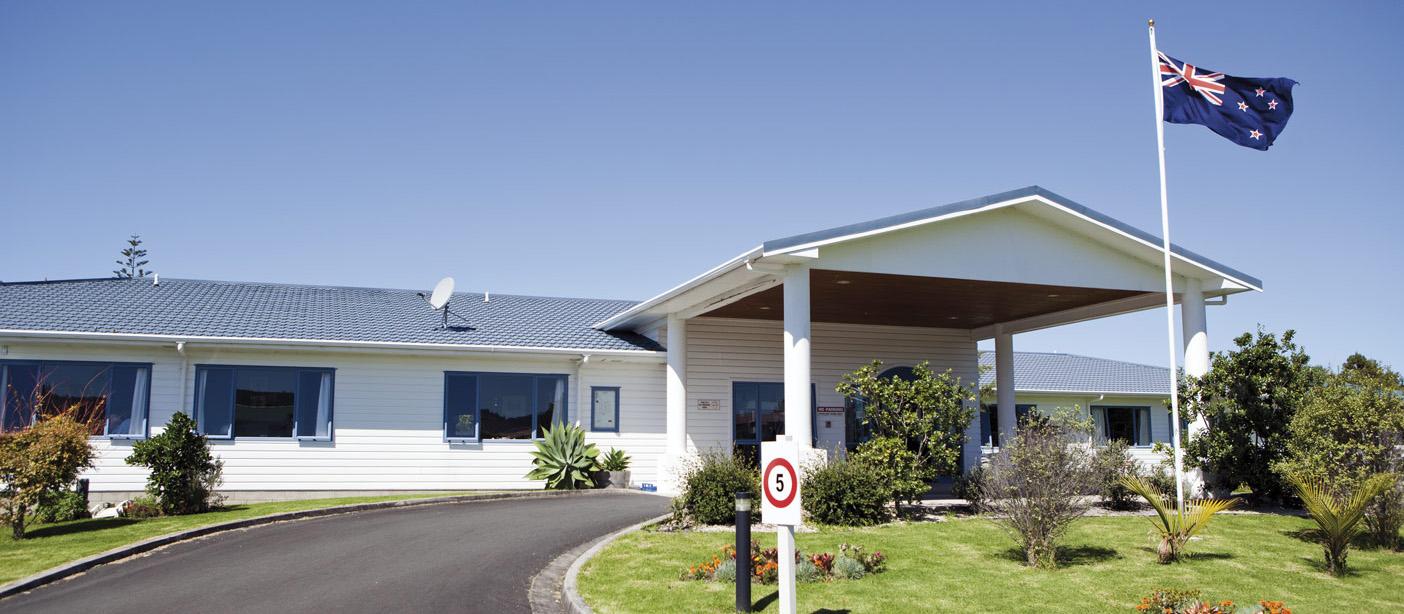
{"x": 1194, "y": 327}
{"x": 1004, "y": 386}
{"x": 676, "y": 424}
{"x": 797, "y": 380}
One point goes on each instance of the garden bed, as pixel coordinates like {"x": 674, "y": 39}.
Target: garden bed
{"x": 968, "y": 564}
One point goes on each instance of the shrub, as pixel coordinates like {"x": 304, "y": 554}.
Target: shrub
{"x": 143, "y": 507}
{"x": 874, "y": 562}
{"x": 61, "y": 506}
{"x": 1177, "y": 601}
{"x": 1036, "y": 485}
{"x": 563, "y": 459}
{"x": 1247, "y": 399}
{"x": 726, "y": 571}
{"x": 184, "y": 475}
{"x": 42, "y": 459}
{"x": 971, "y": 487}
{"x": 926, "y": 414}
{"x": 1347, "y": 430}
{"x": 849, "y": 569}
{"x": 806, "y": 571}
{"x": 1338, "y": 517}
{"x": 848, "y": 493}
{"x": 1175, "y": 526}
{"x": 710, "y": 483}
{"x": 889, "y": 459}
{"x": 614, "y": 460}
{"x": 1113, "y": 463}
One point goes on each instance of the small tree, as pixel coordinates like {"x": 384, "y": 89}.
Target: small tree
{"x": 1347, "y": 431}
{"x": 1247, "y": 399}
{"x": 44, "y": 458}
{"x": 1036, "y": 486}
{"x": 1114, "y": 463}
{"x": 927, "y": 415}
{"x": 184, "y": 475}
{"x": 132, "y": 260}
{"x": 1337, "y": 517}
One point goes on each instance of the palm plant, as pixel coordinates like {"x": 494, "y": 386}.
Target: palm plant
{"x": 563, "y": 459}
{"x": 1176, "y": 526}
{"x": 614, "y": 460}
{"x": 1338, "y": 517}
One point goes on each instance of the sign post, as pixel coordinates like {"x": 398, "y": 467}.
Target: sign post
{"x": 780, "y": 506}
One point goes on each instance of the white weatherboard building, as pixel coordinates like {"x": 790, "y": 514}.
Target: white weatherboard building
{"x": 308, "y": 390}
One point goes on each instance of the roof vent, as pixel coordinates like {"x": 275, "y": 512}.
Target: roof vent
{"x": 486, "y": 298}
{"x": 155, "y": 279}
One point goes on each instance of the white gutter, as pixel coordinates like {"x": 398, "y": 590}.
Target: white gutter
{"x": 323, "y": 343}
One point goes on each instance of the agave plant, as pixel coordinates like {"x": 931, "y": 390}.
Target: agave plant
{"x": 563, "y": 459}
{"x": 1176, "y": 526}
{"x": 1338, "y": 518}
{"x": 614, "y": 460}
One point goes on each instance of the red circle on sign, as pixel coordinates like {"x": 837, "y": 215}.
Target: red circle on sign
{"x": 779, "y": 462}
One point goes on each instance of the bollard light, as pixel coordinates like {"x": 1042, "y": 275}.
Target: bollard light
{"x": 743, "y": 551}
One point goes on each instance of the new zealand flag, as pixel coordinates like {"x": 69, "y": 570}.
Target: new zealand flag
{"x": 1247, "y": 111}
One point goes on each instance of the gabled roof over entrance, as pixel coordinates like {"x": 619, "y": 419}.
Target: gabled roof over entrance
{"x": 1017, "y": 260}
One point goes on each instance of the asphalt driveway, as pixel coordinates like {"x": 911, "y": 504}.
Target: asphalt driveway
{"x": 463, "y": 557}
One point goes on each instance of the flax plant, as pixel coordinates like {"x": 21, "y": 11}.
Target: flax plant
{"x": 1176, "y": 526}
{"x": 1338, "y": 518}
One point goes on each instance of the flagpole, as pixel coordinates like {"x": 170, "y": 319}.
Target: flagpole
{"x": 1169, "y": 282}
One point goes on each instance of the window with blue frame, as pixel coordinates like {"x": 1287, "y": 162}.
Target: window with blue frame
{"x": 758, "y": 411}
{"x": 604, "y": 408}
{"x": 112, "y": 397}
{"x": 483, "y": 406}
{"x": 1129, "y": 424}
{"x": 989, "y": 422}
{"x": 264, "y": 402}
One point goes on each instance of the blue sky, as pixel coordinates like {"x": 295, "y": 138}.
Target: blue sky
{"x": 615, "y": 149}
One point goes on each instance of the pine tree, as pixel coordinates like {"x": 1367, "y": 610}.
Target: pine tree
{"x": 132, "y": 260}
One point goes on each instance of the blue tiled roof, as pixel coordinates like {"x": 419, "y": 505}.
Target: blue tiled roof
{"x": 1046, "y": 371}
{"x": 197, "y": 308}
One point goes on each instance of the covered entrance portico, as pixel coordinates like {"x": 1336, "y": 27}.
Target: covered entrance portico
{"x": 926, "y": 285}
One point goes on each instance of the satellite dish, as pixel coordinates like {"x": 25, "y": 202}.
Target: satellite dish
{"x": 442, "y": 292}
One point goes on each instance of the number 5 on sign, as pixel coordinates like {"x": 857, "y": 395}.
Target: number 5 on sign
{"x": 780, "y": 482}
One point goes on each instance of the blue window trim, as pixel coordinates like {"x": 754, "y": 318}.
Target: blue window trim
{"x": 1135, "y": 421}
{"x": 145, "y": 420}
{"x": 197, "y": 402}
{"x": 562, "y": 416}
{"x": 813, "y": 413}
{"x": 594, "y": 409}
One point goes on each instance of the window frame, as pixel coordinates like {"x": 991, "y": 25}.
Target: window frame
{"x": 562, "y": 414}
{"x": 594, "y": 410}
{"x": 1137, "y": 411}
{"x": 813, "y": 411}
{"x": 111, "y": 365}
{"x": 989, "y": 417}
{"x": 198, "y": 401}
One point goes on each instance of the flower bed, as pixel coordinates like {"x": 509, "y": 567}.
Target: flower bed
{"x": 851, "y": 563}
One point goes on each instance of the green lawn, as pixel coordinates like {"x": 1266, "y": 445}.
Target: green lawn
{"x": 969, "y": 565}
{"x": 46, "y": 546}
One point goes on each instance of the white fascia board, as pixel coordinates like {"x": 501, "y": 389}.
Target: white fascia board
{"x": 1086, "y": 393}
{"x": 323, "y": 344}
{"x": 626, "y": 316}
{"x": 1007, "y": 203}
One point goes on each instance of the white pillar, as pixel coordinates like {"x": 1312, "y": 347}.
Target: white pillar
{"x": 676, "y": 424}
{"x": 797, "y": 380}
{"x": 1004, "y": 386}
{"x": 1194, "y": 327}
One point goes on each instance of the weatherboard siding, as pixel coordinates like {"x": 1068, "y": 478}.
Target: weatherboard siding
{"x": 725, "y": 350}
{"x": 387, "y": 420}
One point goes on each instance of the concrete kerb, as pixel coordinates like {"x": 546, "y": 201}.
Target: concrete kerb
{"x": 81, "y": 565}
{"x": 570, "y": 591}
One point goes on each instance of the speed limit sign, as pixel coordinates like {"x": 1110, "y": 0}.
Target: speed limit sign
{"x": 780, "y": 482}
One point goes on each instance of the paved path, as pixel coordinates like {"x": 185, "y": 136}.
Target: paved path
{"x": 463, "y": 557}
